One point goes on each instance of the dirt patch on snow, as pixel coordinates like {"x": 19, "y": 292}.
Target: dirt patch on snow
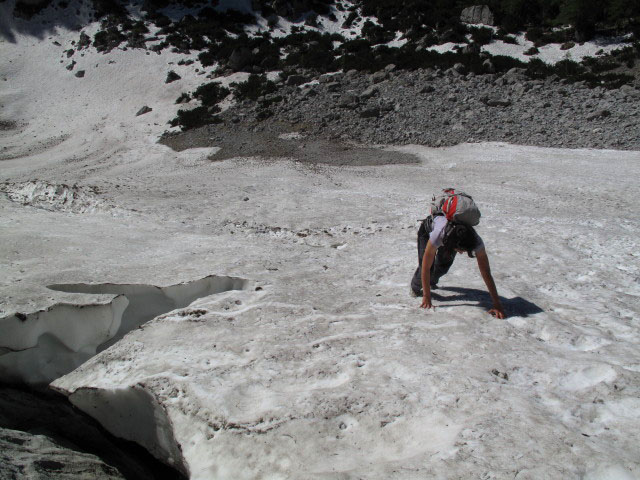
{"x": 278, "y": 141}
{"x": 8, "y": 125}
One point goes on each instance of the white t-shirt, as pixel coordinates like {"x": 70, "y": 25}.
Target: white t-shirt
{"x": 436, "y": 237}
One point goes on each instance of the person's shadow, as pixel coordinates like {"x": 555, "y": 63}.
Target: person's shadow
{"x": 513, "y": 307}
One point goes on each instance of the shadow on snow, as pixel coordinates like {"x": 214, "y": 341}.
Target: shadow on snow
{"x": 514, "y": 307}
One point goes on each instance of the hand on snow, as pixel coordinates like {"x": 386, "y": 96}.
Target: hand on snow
{"x": 497, "y": 312}
{"x": 426, "y": 303}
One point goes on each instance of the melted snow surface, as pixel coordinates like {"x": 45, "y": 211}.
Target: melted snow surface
{"x": 328, "y": 368}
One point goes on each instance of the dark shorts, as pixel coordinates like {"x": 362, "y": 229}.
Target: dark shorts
{"x": 441, "y": 264}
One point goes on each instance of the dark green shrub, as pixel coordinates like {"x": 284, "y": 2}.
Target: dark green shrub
{"x": 603, "y": 66}
{"x": 107, "y": 40}
{"x": 568, "y": 68}
{"x": 161, "y": 21}
{"x": 536, "y": 68}
{"x": 376, "y": 34}
{"x": 481, "y": 36}
{"x": 210, "y": 93}
{"x": 534, "y": 34}
{"x": 350, "y": 19}
{"x": 255, "y": 86}
{"x": 359, "y": 45}
{"x": 207, "y": 58}
{"x": 608, "y": 80}
{"x": 194, "y": 118}
{"x": 183, "y": 98}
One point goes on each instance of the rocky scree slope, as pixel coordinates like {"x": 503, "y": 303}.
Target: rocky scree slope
{"x": 439, "y": 108}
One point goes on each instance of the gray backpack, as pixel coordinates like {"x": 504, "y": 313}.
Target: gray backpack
{"x": 456, "y": 206}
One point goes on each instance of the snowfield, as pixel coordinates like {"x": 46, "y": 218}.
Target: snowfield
{"x": 316, "y": 363}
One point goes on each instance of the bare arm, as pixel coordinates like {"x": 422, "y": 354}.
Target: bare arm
{"x": 427, "y": 261}
{"x": 485, "y": 271}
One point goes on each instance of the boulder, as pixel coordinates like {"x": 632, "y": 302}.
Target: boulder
{"x": 369, "y": 92}
{"x": 84, "y": 41}
{"x": 379, "y": 76}
{"x": 309, "y": 92}
{"x": 496, "y": 102}
{"x": 348, "y": 100}
{"x": 239, "y": 58}
{"x": 144, "y": 110}
{"x": 477, "y": 14}
{"x": 296, "y": 80}
{"x": 488, "y": 66}
{"x": 599, "y": 114}
{"x": 460, "y": 68}
{"x": 370, "y": 112}
{"x": 172, "y": 77}
{"x": 333, "y": 86}
{"x": 329, "y": 77}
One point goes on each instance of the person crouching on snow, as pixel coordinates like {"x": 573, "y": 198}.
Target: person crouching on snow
{"x": 440, "y": 237}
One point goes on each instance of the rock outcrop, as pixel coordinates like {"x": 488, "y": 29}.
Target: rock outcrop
{"x": 478, "y": 14}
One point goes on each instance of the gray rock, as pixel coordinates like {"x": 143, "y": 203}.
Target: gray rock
{"x": 387, "y": 105}
{"x": 333, "y": 86}
{"x": 477, "y": 14}
{"x": 460, "y": 68}
{"x": 599, "y": 114}
{"x": 309, "y": 92}
{"x": 390, "y": 68}
{"x": 71, "y": 65}
{"x": 371, "y": 112}
{"x": 348, "y": 100}
{"x": 144, "y": 110}
{"x": 80, "y": 73}
{"x": 628, "y": 90}
{"x": 84, "y": 41}
{"x": 496, "y": 102}
{"x": 369, "y": 92}
{"x": 427, "y": 89}
{"x": 379, "y": 76}
{"x": 488, "y": 66}
{"x": 327, "y": 78}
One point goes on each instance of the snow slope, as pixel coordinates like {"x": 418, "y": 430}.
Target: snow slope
{"x": 327, "y": 368}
